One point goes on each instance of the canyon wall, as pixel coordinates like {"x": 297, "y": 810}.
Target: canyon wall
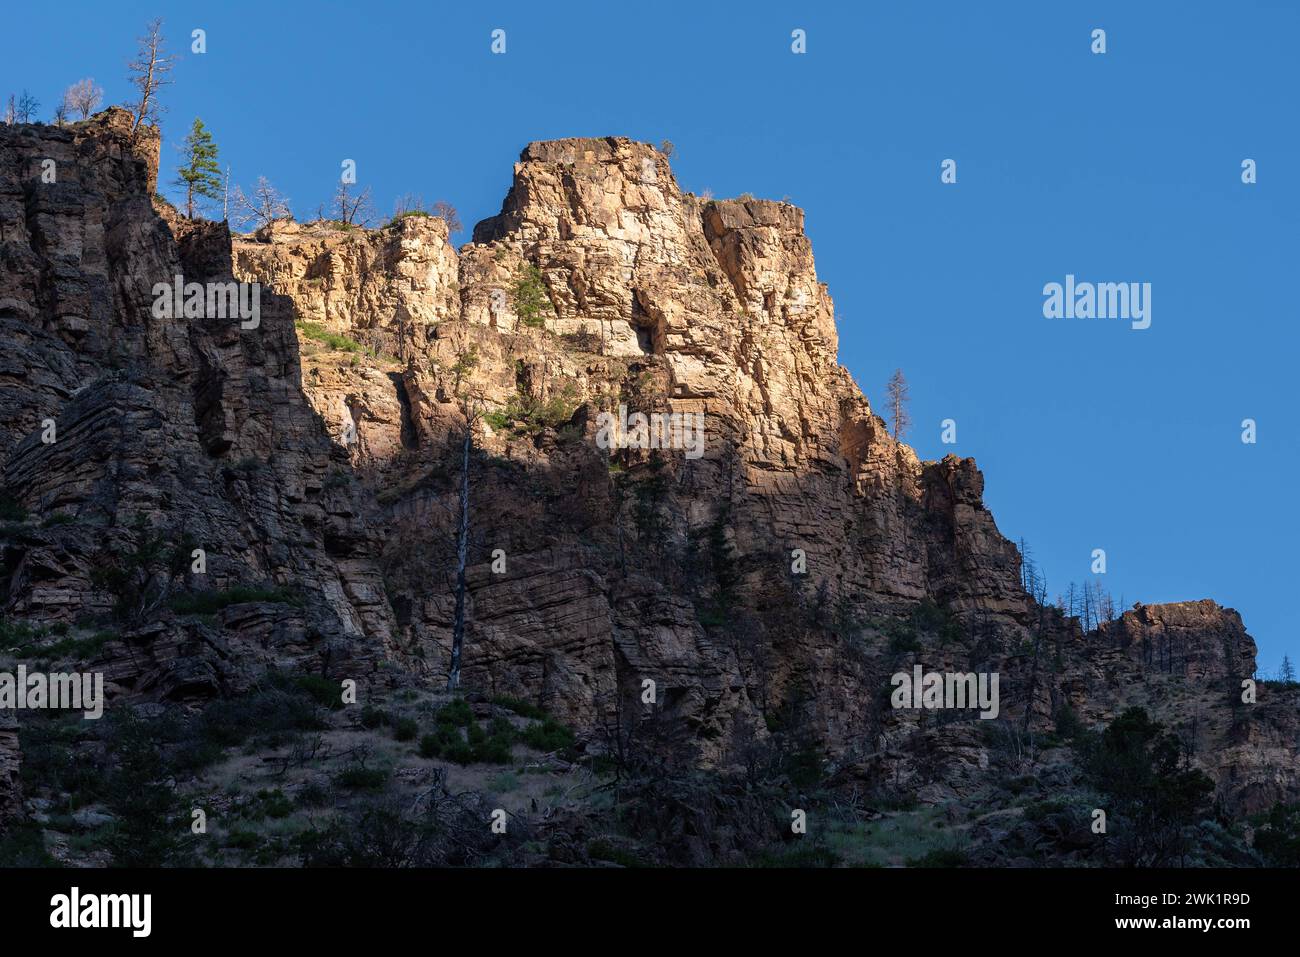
{"x": 774, "y": 582}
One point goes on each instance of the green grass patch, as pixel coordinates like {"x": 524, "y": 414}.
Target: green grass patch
{"x": 893, "y": 840}
{"x": 318, "y": 333}
{"x": 363, "y": 779}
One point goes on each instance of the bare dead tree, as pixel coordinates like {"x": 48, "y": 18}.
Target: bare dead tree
{"x": 83, "y": 97}
{"x": 11, "y": 111}
{"x": 473, "y": 412}
{"x": 352, "y": 210}
{"x": 1029, "y": 574}
{"x": 409, "y": 203}
{"x": 1105, "y": 605}
{"x": 898, "y": 399}
{"x": 26, "y": 109}
{"x": 149, "y": 72}
{"x": 264, "y": 207}
{"x": 447, "y": 213}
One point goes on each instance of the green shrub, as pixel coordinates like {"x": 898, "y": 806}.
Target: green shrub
{"x": 525, "y": 415}
{"x": 375, "y": 834}
{"x": 491, "y": 745}
{"x": 318, "y": 333}
{"x": 405, "y": 729}
{"x": 804, "y": 766}
{"x": 903, "y": 640}
{"x": 433, "y": 745}
{"x": 407, "y": 214}
{"x": 279, "y": 707}
{"x": 51, "y": 759}
{"x": 1068, "y": 724}
{"x": 930, "y": 617}
{"x": 148, "y": 826}
{"x": 139, "y": 578}
{"x": 1277, "y": 835}
{"x": 22, "y": 844}
{"x": 19, "y": 634}
{"x": 456, "y": 712}
{"x": 1148, "y": 776}
{"x": 326, "y": 693}
{"x": 549, "y": 735}
{"x": 358, "y": 778}
{"x": 530, "y": 298}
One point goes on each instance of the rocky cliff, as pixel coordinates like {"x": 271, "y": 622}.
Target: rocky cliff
{"x": 768, "y": 588}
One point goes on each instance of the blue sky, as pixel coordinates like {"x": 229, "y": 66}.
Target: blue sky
{"x": 1117, "y": 167}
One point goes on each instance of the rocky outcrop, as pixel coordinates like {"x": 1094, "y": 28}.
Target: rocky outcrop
{"x": 116, "y": 413}
{"x": 772, "y": 583}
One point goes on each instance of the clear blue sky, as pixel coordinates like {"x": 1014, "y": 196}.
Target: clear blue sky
{"x": 1118, "y": 167}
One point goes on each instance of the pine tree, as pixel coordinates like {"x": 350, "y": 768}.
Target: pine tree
{"x": 199, "y": 174}
{"x": 1287, "y": 674}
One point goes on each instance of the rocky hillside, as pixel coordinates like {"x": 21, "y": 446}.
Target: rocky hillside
{"x": 768, "y": 588}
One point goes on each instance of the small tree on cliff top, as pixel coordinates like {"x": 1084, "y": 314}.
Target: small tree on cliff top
{"x": 261, "y": 209}
{"x": 1287, "y": 672}
{"x": 448, "y": 214}
{"x": 25, "y": 112}
{"x": 898, "y": 399}
{"x": 199, "y": 174}
{"x": 149, "y": 71}
{"x": 352, "y": 210}
{"x": 83, "y": 97}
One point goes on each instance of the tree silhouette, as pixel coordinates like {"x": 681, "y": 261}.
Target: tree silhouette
{"x": 262, "y": 208}
{"x": 898, "y": 399}
{"x": 25, "y": 112}
{"x": 149, "y": 71}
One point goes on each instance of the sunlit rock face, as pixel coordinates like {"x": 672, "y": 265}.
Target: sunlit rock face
{"x": 766, "y": 582}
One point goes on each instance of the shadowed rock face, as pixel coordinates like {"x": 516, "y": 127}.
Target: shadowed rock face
{"x": 331, "y": 467}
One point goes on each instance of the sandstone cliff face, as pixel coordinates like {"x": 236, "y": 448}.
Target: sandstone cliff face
{"x": 333, "y": 467}
{"x": 666, "y": 303}
{"x": 196, "y": 427}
